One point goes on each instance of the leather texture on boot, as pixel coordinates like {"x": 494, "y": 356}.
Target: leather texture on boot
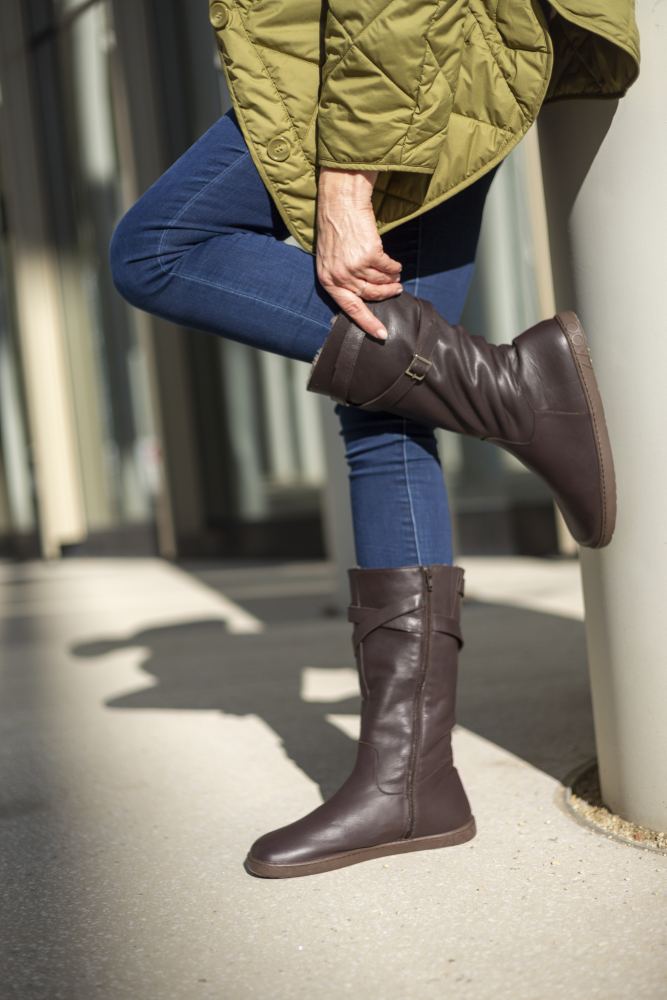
{"x": 537, "y": 397}
{"x": 404, "y": 792}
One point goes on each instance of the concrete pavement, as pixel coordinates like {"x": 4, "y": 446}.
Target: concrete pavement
{"x": 156, "y": 719}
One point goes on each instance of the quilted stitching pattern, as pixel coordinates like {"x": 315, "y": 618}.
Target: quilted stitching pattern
{"x": 430, "y": 92}
{"x": 585, "y": 65}
{"x": 365, "y": 70}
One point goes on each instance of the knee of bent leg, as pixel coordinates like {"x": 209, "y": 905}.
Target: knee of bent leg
{"x": 134, "y": 264}
{"x": 123, "y": 259}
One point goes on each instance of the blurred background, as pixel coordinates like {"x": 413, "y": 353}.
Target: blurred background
{"x": 121, "y": 434}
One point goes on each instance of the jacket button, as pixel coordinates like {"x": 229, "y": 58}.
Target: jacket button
{"x": 278, "y": 148}
{"x": 219, "y": 15}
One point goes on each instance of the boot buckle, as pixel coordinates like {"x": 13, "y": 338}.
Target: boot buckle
{"x": 418, "y": 376}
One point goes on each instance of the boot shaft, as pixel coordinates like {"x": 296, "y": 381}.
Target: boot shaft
{"x": 404, "y": 792}
{"x": 406, "y": 640}
{"x": 444, "y": 376}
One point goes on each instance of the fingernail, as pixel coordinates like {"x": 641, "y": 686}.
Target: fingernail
{"x": 382, "y": 333}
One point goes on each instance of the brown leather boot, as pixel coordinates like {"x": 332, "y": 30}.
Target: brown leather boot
{"x": 404, "y": 793}
{"x": 537, "y": 397}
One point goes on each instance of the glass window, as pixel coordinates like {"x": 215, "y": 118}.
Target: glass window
{"x": 73, "y": 42}
{"x": 17, "y": 510}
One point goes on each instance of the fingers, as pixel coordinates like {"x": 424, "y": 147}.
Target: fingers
{"x": 375, "y": 277}
{"x": 379, "y": 268}
{"x": 358, "y": 312}
{"x": 352, "y": 265}
{"x": 350, "y": 286}
{"x": 383, "y": 262}
{"x": 360, "y": 276}
{"x": 368, "y": 282}
{"x": 375, "y": 293}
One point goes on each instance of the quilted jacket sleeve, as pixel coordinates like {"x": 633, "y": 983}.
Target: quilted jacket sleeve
{"x": 388, "y": 77}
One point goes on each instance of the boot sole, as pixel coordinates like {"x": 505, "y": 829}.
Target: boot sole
{"x": 459, "y": 836}
{"x": 570, "y": 325}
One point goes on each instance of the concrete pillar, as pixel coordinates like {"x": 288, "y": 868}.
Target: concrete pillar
{"x": 605, "y": 173}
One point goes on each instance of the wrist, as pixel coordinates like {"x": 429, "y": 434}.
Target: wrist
{"x": 352, "y": 186}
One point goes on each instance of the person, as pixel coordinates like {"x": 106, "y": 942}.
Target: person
{"x": 371, "y": 132}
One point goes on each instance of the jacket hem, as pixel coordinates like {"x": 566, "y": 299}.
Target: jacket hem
{"x": 357, "y": 165}
{"x": 586, "y": 25}
{"x": 293, "y": 229}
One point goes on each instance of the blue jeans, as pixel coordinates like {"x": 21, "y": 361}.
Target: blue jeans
{"x": 203, "y": 248}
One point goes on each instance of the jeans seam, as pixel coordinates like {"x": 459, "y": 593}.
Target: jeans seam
{"x": 183, "y": 209}
{"x": 245, "y": 295}
{"x": 409, "y": 492}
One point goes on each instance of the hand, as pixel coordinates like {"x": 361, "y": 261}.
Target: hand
{"x": 351, "y": 263}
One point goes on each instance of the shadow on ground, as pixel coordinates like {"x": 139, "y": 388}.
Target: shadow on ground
{"x": 522, "y": 683}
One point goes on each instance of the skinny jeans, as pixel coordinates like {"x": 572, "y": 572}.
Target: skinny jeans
{"x": 204, "y": 247}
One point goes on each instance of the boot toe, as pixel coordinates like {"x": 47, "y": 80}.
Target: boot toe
{"x": 273, "y": 849}
{"x": 282, "y": 848}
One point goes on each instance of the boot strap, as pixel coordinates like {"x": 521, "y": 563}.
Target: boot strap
{"x": 419, "y": 366}
{"x": 450, "y": 626}
{"x": 416, "y": 371}
{"x": 397, "y": 616}
{"x": 368, "y": 619}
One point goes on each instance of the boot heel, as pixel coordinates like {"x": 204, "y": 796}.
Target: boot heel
{"x": 451, "y": 839}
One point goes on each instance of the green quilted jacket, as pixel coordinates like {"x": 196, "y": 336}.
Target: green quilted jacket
{"x": 431, "y": 93}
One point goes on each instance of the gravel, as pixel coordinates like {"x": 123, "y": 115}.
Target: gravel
{"x": 585, "y": 799}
